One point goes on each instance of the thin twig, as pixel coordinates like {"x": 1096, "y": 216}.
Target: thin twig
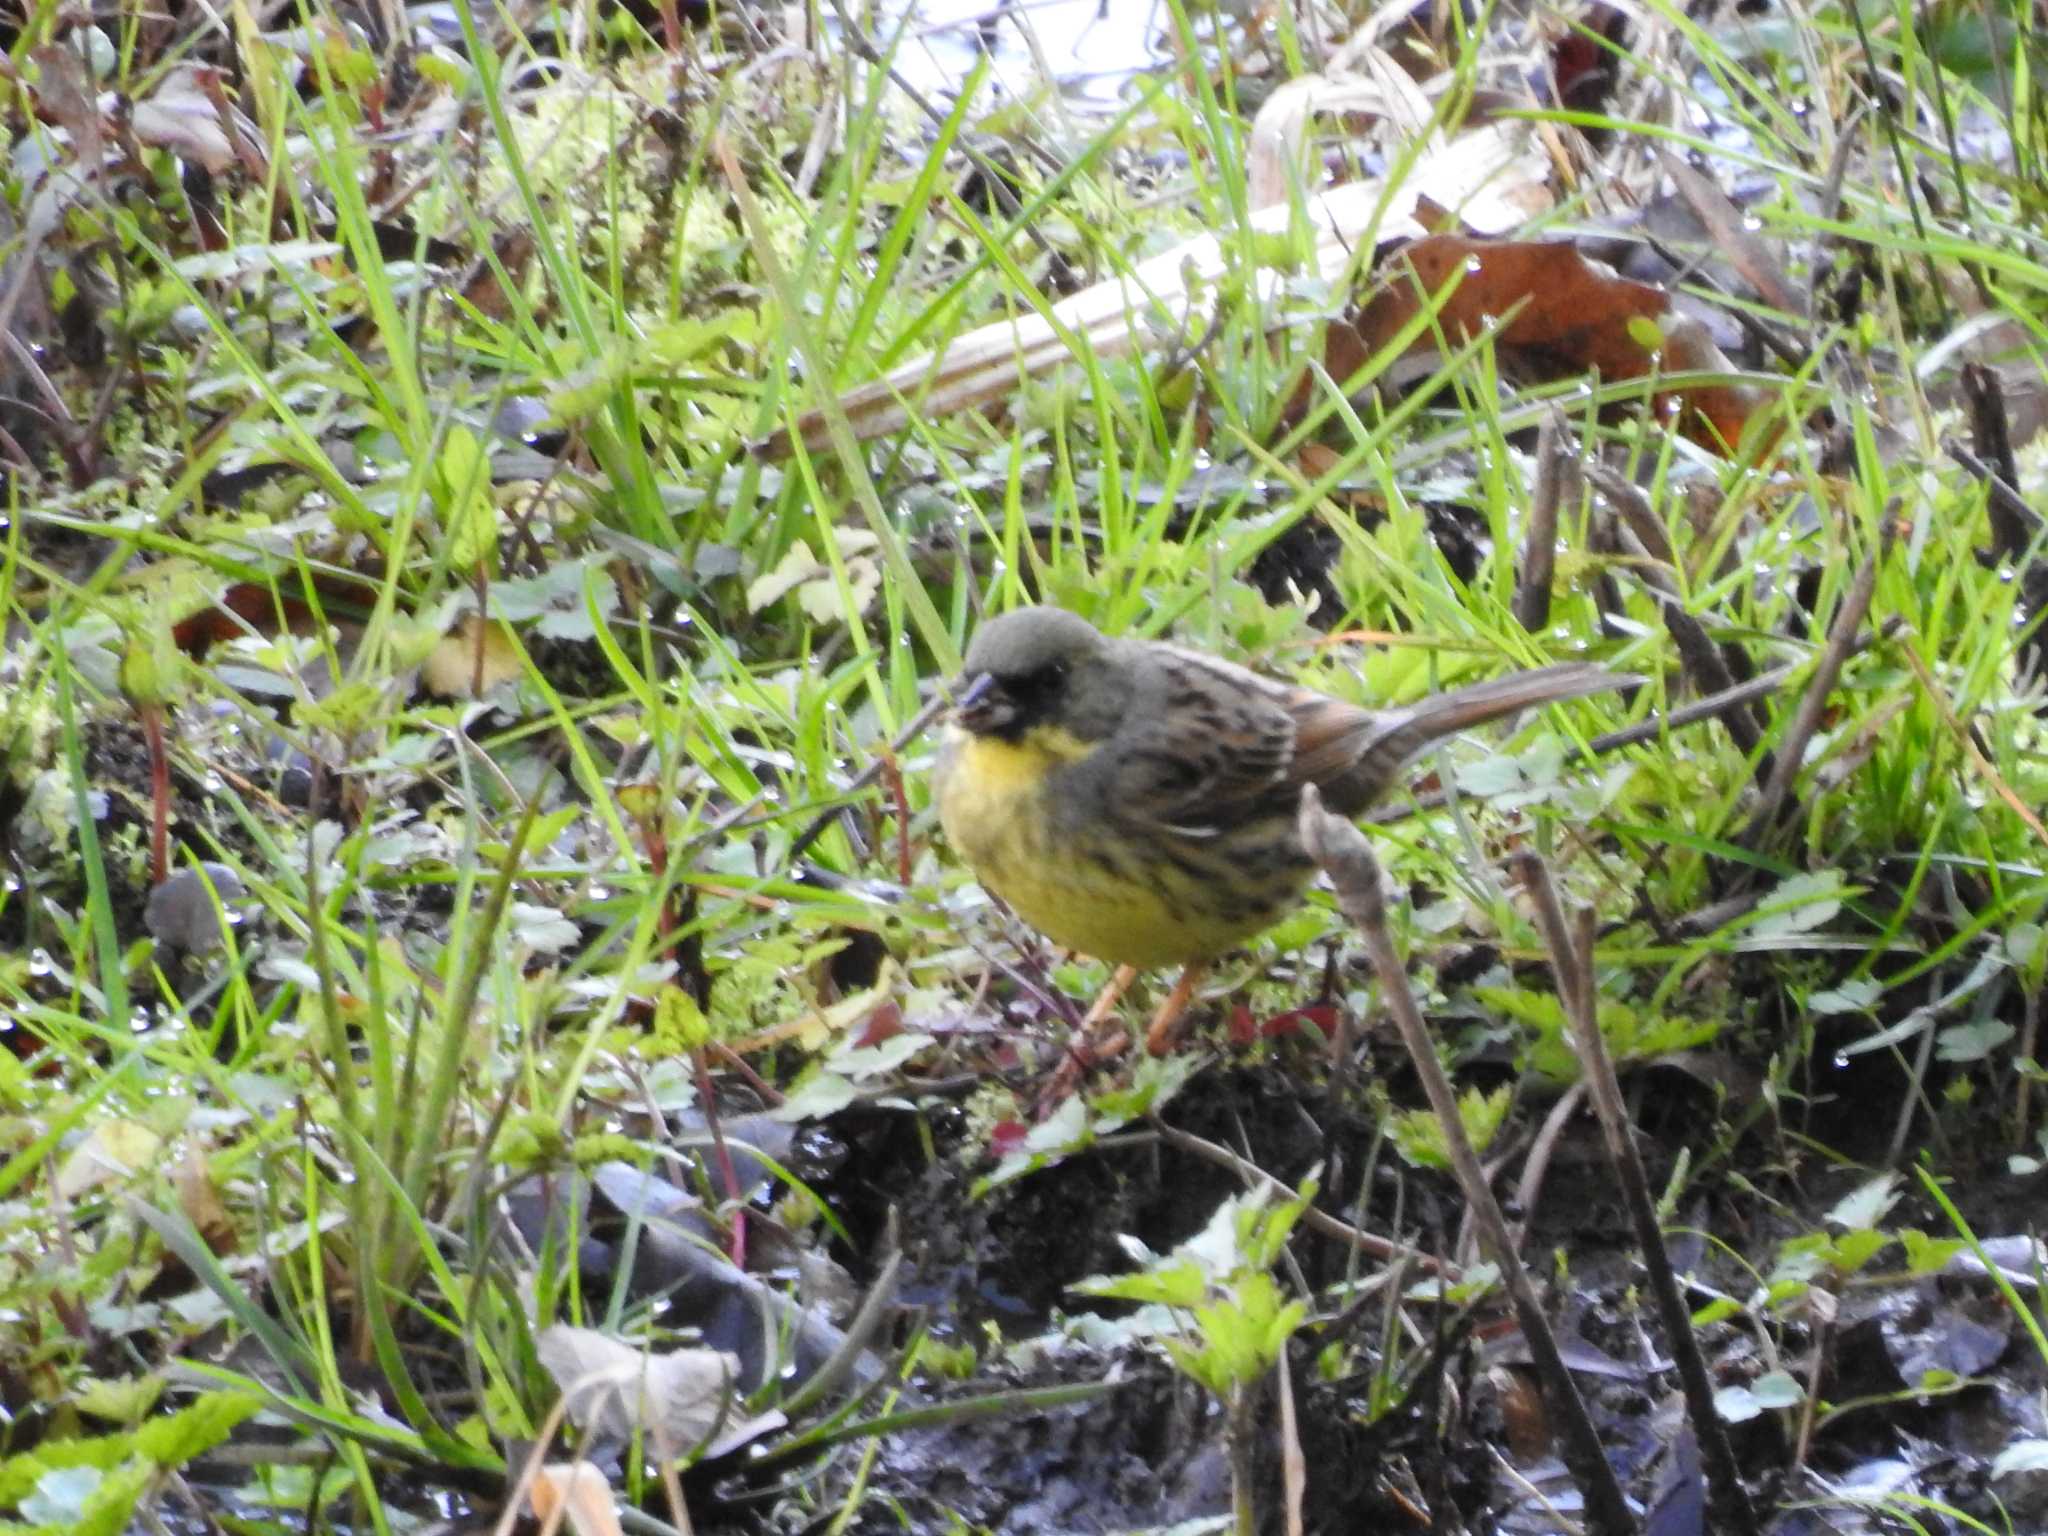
{"x": 1735, "y": 697}
{"x": 2017, "y": 529}
{"x": 1347, "y": 858}
{"x": 1991, "y": 437}
{"x": 1823, "y": 1306}
{"x": 2014, "y": 524}
{"x": 1813, "y": 703}
{"x": 1571, "y": 962}
{"x": 1556, "y": 466}
{"x": 1529, "y": 1189}
{"x": 1293, "y": 1465}
{"x": 1703, "y": 660}
{"x": 1915, "y": 1100}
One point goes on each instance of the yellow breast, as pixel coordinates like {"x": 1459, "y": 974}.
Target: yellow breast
{"x": 1072, "y": 873}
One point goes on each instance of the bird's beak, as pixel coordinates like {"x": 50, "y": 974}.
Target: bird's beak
{"x": 982, "y": 707}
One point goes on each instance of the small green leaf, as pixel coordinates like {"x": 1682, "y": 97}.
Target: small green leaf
{"x": 462, "y": 491}
{"x": 1718, "y": 1310}
{"x": 195, "y": 1429}
{"x": 1929, "y": 1255}
{"x": 1645, "y": 333}
{"x": 679, "y": 1021}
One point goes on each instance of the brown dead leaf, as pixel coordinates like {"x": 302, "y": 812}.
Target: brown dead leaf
{"x": 1522, "y": 1413}
{"x": 1544, "y": 294}
{"x": 1723, "y": 410}
{"x": 64, "y": 94}
{"x": 181, "y": 116}
{"x": 1314, "y": 460}
{"x": 1560, "y": 313}
{"x": 258, "y": 608}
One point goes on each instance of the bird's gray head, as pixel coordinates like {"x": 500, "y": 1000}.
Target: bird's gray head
{"x": 1036, "y": 668}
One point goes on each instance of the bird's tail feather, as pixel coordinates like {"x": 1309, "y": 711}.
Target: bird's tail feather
{"x": 1396, "y": 736}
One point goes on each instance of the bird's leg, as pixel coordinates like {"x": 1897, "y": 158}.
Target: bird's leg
{"x": 1106, "y": 1001}
{"x": 1090, "y": 1044}
{"x": 1164, "y": 1033}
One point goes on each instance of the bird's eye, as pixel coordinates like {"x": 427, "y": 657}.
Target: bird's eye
{"x": 1037, "y": 685}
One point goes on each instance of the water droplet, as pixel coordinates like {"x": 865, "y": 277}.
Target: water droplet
{"x": 39, "y": 962}
{"x": 1474, "y": 265}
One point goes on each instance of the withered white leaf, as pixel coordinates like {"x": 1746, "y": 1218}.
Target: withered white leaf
{"x": 614, "y": 1388}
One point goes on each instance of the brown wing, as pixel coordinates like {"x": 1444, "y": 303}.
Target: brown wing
{"x": 1207, "y": 745}
{"x": 1221, "y": 745}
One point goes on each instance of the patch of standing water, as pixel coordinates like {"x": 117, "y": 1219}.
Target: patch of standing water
{"x": 1090, "y": 48}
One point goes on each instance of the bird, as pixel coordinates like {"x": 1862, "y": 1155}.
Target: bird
{"x": 1139, "y": 802}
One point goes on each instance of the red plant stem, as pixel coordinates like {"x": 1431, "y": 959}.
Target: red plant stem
{"x": 770, "y": 1094}
{"x": 892, "y": 779}
{"x": 723, "y": 1154}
